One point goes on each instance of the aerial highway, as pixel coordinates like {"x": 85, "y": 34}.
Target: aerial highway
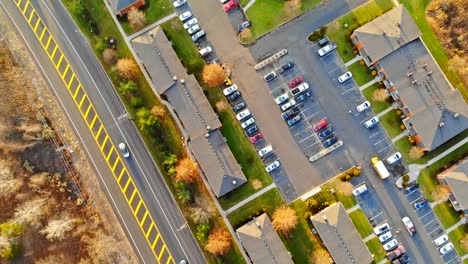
{"x": 134, "y": 186}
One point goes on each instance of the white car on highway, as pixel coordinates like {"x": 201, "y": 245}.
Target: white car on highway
{"x": 273, "y": 166}
{"x": 282, "y": 98}
{"x": 346, "y": 76}
{"x": 230, "y": 90}
{"x": 364, "y": 106}
{"x": 390, "y": 245}
{"x": 124, "y": 150}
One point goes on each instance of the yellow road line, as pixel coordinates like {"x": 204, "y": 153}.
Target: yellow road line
{"x": 87, "y": 111}
{"x": 117, "y": 161}
{"x": 60, "y": 61}
{"x": 161, "y": 252}
{"x": 110, "y": 153}
{"x": 94, "y": 121}
{"x": 169, "y": 259}
{"x": 53, "y": 52}
{"x": 65, "y": 71}
{"x": 139, "y": 205}
{"x": 71, "y": 80}
{"x": 149, "y": 230}
{"x": 25, "y": 7}
{"x": 155, "y": 241}
{"x": 99, "y": 131}
{"x": 48, "y": 43}
{"x": 31, "y": 16}
{"x": 126, "y": 186}
{"x": 144, "y": 217}
{"x": 42, "y": 34}
{"x": 133, "y": 195}
{"x": 121, "y": 174}
{"x": 37, "y": 24}
{"x": 82, "y": 101}
{"x": 76, "y": 92}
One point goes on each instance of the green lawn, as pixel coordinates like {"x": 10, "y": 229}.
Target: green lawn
{"x": 392, "y": 122}
{"x": 243, "y": 2}
{"x": 417, "y": 10}
{"x": 376, "y": 248}
{"x": 447, "y": 215}
{"x": 240, "y": 146}
{"x": 361, "y": 222}
{"x": 348, "y": 201}
{"x": 456, "y": 235}
{"x": 376, "y": 105}
{"x": 361, "y": 73}
{"x": 154, "y": 10}
{"x": 266, "y": 15}
{"x": 354, "y": 19}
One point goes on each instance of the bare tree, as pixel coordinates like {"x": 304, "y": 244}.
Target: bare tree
{"x": 52, "y": 259}
{"x": 320, "y": 255}
{"x": 8, "y": 182}
{"x": 4, "y": 242}
{"x": 439, "y": 192}
{"x": 30, "y": 212}
{"x": 56, "y": 229}
{"x": 256, "y": 184}
{"x": 245, "y": 34}
{"x": 416, "y": 153}
{"x": 101, "y": 247}
{"x": 109, "y": 56}
{"x": 203, "y": 211}
{"x": 158, "y": 111}
{"x": 127, "y": 68}
{"x": 213, "y": 75}
{"x": 344, "y": 188}
{"x": 380, "y": 95}
{"x": 284, "y": 219}
{"x": 137, "y": 19}
{"x": 219, "y": 242}
{"x": 186, "y": 170}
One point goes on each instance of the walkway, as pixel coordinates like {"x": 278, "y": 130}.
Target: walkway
{"x": 354, "y": 208}
{"x": 357, "y": 58}
{"x": 149, "y": 27}
{"x": 369, "y": 237}
{"x": 379, "y": 115}
{"x": 459, "y": 223}
{"x": 250, "y": 198}
{"x": 376, "y": 80}
{"x": 403, "y": 134}
{"x": 438, "y": 202}
{"x": 251, "y": 2}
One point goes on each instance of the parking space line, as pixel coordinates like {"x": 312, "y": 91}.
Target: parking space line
{"x": 415, "y": 190}
{"x": 302, "y": 110}
{"x": 347, "y": 91}
{"x": 305, "y": 139}
{"x": 416, "y": 199}
{"x": 450, "y": 260}
{"x": 312, "y": 145}
{"x": 375, "y": 134}
{"x": 370, "y": 219}
{"x": 430, "y": 222}
{"x": 379, "y": 141}
{"x": 384, "y": 148}
{"x": 438, "y": 228}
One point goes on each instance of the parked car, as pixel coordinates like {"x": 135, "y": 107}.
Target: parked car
{"x": 404, "y": 259}
{"x": 446, "y": 249}
{"x": 236, "y": 108}
{"x": 243, "y": 25}
{"x": 229, "y": 90}
{"x": 231, "y": 4}
{"x": 390, "y": 245}
{"x": 287, "y": 67}
{"x": 270, "y": 76}
{"x": 323, "y": 41}
{"x": 291, "y": 122}
{"x": 124, "y": 150}
{"x": 409, "y": 225}
{"x": 326, "y": 133}
{"x": 206, "y": 51}
{"x": 179, "y": 3}
{"x": 282, "y": 98}
{"x": 256, "y": 138}
{"x": 346, "y": 76}
{"x": 291, "y": 113}
{"x": 371, "y": 122}
{"x": 441, "y": 240}
{"x": 273, "y": 166}
{"x": 192, "y": 22}
{"x": 385, "y": 236}
{"x": 360, "y": 190}
{"x": 194, "y": 29}
{"x": 223, "y": 1}
{"x": 364, "y": 106}
{"x": 294, "y": 82}
{"x": 185, "y": 16}
{"x": 288, "y": 105}
{"x": 265, "y": 151}
{"x": 251, "y": 130}
{"x": 299, "y": 89}
{"x": 412, "y": 187}
{"x": 199, "y": 35}
{"x": 327, "y": 49}
{"x": 248, "y": 122}
{"x": 243, "y": 115}
{"x": 394, "y": 158}
{"x": 420, "y": 204}
{"x": 381, "y": 228}
{"x": 400, "y": 250}
{"x": 329, "y": 142}
{"x": 320, "y": 125}
{"x": 301, "y": 98}
{"x": 231, "y": 98}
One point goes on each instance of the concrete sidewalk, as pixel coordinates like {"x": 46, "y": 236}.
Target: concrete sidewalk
{"x": 376, "y": 80}
{"x": 250, "y": 198}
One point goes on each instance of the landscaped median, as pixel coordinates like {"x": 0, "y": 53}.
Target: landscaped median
{"x": 376, "y": 249}
{"x": 392, "y": 123}
{"x": 446, "y": 214}
{"x": 361, "y": 223}
{"x": 459, "y": 238}
{"x": 361, "y": 73}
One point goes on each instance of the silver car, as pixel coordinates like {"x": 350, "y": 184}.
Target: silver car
{"x": 194, "y": 29}
{"x": 192, "y": 22}
{"x": 273, "y": 166}
{"x": 185, "y": 16}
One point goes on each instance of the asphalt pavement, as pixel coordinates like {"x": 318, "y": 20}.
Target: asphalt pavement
{"x": 147, "y": 177}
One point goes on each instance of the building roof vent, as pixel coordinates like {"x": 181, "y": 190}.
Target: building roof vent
{"x": 441, "y": 124}
{"x": 456, "y": 115}
{"x": 409, "y": 73}
{"x": 234, "y": 182}
{"x": 429, "y": 73}
{"x": 383, "y": 33}
{"x": 325, "y": 218}
{"x": 208, "y": 128}
{"x": 207, "y": 135}
{"x": 398, "y": 24}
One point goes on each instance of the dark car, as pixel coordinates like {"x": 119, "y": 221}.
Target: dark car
{"x": 327, "y": 143}
{"x": 233, "y": 96}
{"x": 199, "y": 35}
{"x": 251, "y": 130}
{"x": 411, "y": 188}
{"x": 243, "y": 25}
{"x": 326, "y": 133}
{"x": 287, "y": 67}
{"x": 270, "y": 76}
{"x": 303, "y": 97}
{"x": 239, "y": 106}
{"x": 291, "y": 122}
{"x": 290, "y": 113}
{"x": 324, "y": 41}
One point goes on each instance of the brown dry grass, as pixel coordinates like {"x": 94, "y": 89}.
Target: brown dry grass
{"x": 256, "y": 184}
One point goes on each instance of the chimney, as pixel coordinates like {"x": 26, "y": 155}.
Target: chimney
{"x": 429, "y": 73}
{"x": 414, "y": 82}
{"x": 425, "y": 65}
{"x": 409, "y": 73}
{"x": 257, "y": 224}
{"x": 398, "y": 24}
{"x": 383, "y": 33}
{"x": 234, "y": 182}
{"x": 325, "y": 218}
{"x": 441, "y": 124}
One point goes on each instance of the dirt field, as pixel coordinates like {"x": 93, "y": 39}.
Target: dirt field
{"x": 48, "y": 193}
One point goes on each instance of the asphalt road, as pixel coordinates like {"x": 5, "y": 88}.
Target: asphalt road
{"x": 144, "y": 171}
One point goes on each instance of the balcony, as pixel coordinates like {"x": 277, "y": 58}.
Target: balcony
{"x": 455, "y": 203}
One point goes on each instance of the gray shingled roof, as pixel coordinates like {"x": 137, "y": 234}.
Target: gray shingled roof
{"x": 399, "y": 29}
{"x": 432, "y": 100}
{"x": 262, "y": 242}
{"x": 118, "y": 5}
{"x": 340, "y": 236}
{"x": 457, "y": 179}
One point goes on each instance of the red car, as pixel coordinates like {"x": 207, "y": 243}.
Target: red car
{"x": 294, "y": 82}
{"x": 230, "y": 5}
{"x": 320, "y": 125}
{"x": 256, "y": 138}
